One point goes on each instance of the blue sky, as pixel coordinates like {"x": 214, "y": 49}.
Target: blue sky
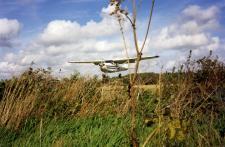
{"x": 30, "y": 30}
{"x": 36, "y": 14}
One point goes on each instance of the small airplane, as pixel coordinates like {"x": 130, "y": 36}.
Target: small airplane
{"x": 117, "y": 65}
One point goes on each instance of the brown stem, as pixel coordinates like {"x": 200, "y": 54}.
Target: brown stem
{"x": 134, "y": 139}
{"x": 129, "y": 19}
{"x": 149, "y": 23}
{"x": 125, "y": 47}
{"x": 134, "y": 27}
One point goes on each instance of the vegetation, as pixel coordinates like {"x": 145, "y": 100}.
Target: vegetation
{"x": 186, "y": 109}
{"x": 122, "y": 14}
{"x": 2, "y": 87}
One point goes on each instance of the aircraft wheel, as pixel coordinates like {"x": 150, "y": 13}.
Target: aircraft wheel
{"x": 120, "y": 75}
{"x": 103, "y": 76}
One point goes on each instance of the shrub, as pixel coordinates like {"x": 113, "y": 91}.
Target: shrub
{"x": 191, "y": 104}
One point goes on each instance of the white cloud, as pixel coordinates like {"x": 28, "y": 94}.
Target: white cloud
{"x": 192, "y": 32}
{"x": 60, "y": 32}
{"x": 108, "y": 9}
{"x": 9, "y": 69}
{"x": 64, "y": 40}
{"x": 179, "y": 41}
{"x": 9, "y": 30}
{"x": 201, "y": 14}
{"x": 206, "y": 18}
{"x": 107, "y": 27}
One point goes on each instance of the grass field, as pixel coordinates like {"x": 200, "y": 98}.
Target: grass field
{"x": 183, "y": 108}
{"x": 91, "y": 131}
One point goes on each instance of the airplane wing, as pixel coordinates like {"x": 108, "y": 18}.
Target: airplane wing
{"x": 94, "y": 62}
{"x": 130, "y": 60}
{"x": 119, "y": 61}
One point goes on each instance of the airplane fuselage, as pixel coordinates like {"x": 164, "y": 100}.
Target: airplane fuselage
{"x": 117, "y": 65}
{"x": 112, "y": 67}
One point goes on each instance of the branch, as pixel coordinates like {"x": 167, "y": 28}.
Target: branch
{"x": 125, "y": 46}
{"x": 129, "y": 19}
{"x": 134, "y": 27}
{"x": 149, "y": 23}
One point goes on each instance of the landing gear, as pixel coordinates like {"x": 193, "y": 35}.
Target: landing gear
{"x": 105, "y": 78}
{"x": 120, "y": 76}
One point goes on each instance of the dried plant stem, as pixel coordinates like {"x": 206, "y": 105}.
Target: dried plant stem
{"x": 41, "y": 132}
{"x": 150, "y": 136}
{"x": 125, "y": 46}
{"x": 149, "y": 23}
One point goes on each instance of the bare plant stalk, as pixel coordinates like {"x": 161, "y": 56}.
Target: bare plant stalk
{"x": 40, "y": 133}
{"x": 134, "y": 79}
{"x": 132, "y": 94}
{"x": 125, "y": 46}
{"x": 149, "y": 23}
{"x": 150, "y": 136}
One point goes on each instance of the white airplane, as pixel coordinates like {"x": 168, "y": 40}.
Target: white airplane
{"x": 117, "y": 65}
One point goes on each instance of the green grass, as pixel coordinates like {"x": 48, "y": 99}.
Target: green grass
{"x": 82, "y": 132}
{"x": 187, "y": 109}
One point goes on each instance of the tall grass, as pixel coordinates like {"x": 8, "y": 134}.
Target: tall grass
{"x": 37, "y": 94}
{"x": 191, "y": 105}
{"x": 187, "y": 108}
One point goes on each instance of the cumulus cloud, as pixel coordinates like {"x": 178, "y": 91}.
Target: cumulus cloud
{"x": 60, "y": 32}
{"x": 165, "y": 40}
{"x": 64, "y": 31}
{"x": 8, "y": 69}
{"x": 201, "y": 14}
{"x": 64, "y": 40}
{"x": 192, "y": 32}
{"x": 207, "y": 18}
{"x": 9, "y": 30}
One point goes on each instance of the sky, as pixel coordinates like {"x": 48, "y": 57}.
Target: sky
{"x": 50, "y": 33}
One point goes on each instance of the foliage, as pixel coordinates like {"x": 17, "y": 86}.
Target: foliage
{"x": 187, "y": 108}
{"x": 89, "y": 131}
{"x": 191, "y": 104}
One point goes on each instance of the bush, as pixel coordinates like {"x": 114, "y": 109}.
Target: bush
{"x": 186, "y": 108}
{"x": 191, "y": 105}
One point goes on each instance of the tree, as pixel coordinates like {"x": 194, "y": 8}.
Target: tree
{"x": 122, "y": 15}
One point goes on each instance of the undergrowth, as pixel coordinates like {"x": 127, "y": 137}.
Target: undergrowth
{"x": 187, "y": 108}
